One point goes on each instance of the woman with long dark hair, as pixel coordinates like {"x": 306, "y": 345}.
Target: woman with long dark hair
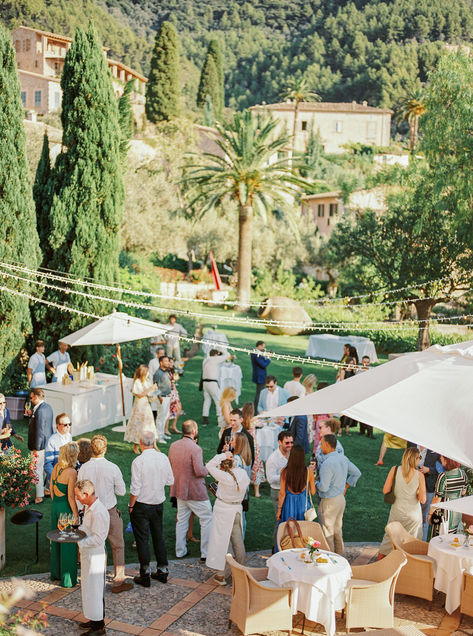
{"x": 296, "y": 478}
{"x": 249, "y": 424}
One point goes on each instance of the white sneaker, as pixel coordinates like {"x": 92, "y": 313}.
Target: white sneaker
{"x": 162, "y": 440}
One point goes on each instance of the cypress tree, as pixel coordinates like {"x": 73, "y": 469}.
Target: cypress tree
{"x": 214, "y": 51}
{"x": 18, "y": 236}
{"x": 163, "y": 90}
{"x": 125, "y": 117}
{"x": 42, "y": 198}
{"x": 88, "y": 197}
{"x": 208, "y": 85}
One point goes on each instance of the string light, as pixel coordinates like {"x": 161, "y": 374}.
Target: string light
{"x": 58, "y": 276}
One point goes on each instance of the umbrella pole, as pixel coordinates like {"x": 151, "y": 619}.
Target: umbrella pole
{"x": 120, "y": 367}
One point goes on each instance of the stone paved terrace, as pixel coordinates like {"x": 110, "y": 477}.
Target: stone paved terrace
{"x": 191, "y": 605}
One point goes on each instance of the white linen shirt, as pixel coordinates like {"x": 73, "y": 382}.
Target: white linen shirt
{"x": 150, "y": 472}
{"x": 272, "y": 399}
{"x": 211, "y": 366}
{"x": 107, "y": 479}
{"x": 227, "y": 490}
{"x": 96, "y": 524}
{"x": 274, "y": 465}
{"x": 294, "y": 388}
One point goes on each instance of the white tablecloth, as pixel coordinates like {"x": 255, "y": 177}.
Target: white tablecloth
{"x": 267, "y": 440}
{"x": 218, "y": 341}
{"x": 328, "y": 346}
{"x": 230, "y": 375}
{"x": 90, "y": 406}
{"x": 450, "y": 564}
{"x": 319, "y": 589}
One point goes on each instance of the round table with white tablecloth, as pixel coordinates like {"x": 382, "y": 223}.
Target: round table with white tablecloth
{"x": 267, "y": 439}
{"x": 319, "y": 588}
{"x": 329, "y": 346}
{"x": 450, "y": 563}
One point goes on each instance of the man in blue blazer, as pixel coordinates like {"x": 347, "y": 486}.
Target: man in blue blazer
{"x": 298, "y": 428}
{"x": 272, "y": 396}
{"x": 39, "y": 431}
{"x": 259, "y": 364}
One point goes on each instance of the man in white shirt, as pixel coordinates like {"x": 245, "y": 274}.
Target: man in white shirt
{"x": 272, "y": 396}
{"x": 210, "y": 373}
{"x": 294, "y": 386}
{"x": 153, "y": 366}
{"x": 150, "y": 473}
{"x": 58, "y": 439}
{"x": 274, "y": 465}
{"x": 93, "y": 558}
{"x": 58, "y": 362}
{"x": 171, "y": 335}
{"x": 108, "y": 481}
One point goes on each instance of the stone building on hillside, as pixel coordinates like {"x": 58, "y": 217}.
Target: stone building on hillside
{"x": 40, "y": 59}
{"x": 337, "y": 123}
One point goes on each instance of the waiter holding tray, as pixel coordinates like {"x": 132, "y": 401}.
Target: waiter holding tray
{"x": 93, "y": 557}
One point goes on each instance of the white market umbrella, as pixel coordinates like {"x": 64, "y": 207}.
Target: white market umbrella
{"x": 113, "y": 329}
{"x": 425, "y": 397}
{"x": 463, "y": 505}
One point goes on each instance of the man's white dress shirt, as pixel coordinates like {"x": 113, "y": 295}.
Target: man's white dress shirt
{"x": 211, "y": 366}
{"x": 150, "y": 472}
{"x": 107, "y": 479}
{"x": 294, "y": 388}
{"x": 272, "y": 399}
{"x": 276, "y": 462}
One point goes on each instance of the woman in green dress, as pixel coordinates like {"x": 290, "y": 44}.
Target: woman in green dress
{"x": 450, "y": 485}
{"x": 63, "y": 481}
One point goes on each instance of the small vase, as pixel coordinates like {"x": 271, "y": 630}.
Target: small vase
{"x": 466, "y": 542}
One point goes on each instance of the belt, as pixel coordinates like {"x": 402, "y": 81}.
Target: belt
{"x": 209, "y": 380}
{"x": 231, "y": 503}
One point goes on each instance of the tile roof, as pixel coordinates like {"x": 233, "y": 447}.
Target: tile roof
{"x": 328, "y": 107}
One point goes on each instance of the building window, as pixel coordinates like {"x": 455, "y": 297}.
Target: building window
{"x": 57, "y": 101}
{"x": 371, "y": 130}
{"x": 321, "y": 209}
{"x": 27, "y": 44}
{"x": 37, "y": 98}
{"x": 17, "y": 46}
{"x": 333, "y": 209}
{"x": 56, "y": 66}
{"x": 338, "y": 126}
{"x": 304, "y": 125}
{"x": 23, "y": 98}
{"x": 328, "y": 221}
{"x": 36, "y": 63}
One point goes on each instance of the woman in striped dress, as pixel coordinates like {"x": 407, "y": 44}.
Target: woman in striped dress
{"x": 450, "y": 485}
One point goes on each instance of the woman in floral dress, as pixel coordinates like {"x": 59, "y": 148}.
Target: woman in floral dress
{"x": 141, "y": 418}
{"x": 257, "y": 470}
{"x": 175, "y": 406}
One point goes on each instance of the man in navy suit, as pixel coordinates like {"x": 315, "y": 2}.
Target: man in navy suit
{"x": 259, "y": 364}
{"x": 298, "y": 428}
{"x": 39, "y": 432}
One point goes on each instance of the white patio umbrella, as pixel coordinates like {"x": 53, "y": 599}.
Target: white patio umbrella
{"x": 463, "y": 505}
{"x": 114, "y": 329}
{"x": 425, "y": 397}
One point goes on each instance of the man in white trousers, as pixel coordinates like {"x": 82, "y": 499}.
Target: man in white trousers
{"x": 163, "y": 382}
{"x": 93, "y": 558}
{"x": 210, "y": 372}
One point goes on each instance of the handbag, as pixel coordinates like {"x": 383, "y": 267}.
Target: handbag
{"x": 290, "y": 541}
{"x": 390, "y": 497}
{"x": 437, "y": 517}
{"x": 310, "y": 514}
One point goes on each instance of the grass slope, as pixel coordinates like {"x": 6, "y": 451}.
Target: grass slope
{"x": 366, "y": 513}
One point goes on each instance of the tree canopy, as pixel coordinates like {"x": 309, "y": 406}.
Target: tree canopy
{"x": 163, "y": 90}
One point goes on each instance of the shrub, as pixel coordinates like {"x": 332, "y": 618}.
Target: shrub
{"x": 17, "y": 476}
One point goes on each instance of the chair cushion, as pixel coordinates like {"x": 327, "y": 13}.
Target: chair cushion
{"x": 268, "y": 583}
{"x": 352, "y": 582}
{"x": 424, "y": 557}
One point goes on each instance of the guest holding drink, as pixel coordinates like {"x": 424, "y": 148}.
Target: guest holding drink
{"x": 7, "y": 430}
{"x": 141, "y": 418}
{"x": 63, "y": 481}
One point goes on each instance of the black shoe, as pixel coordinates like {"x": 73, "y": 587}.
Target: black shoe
{"x": 203, "y": 559}
{"x": 94, "y": 632}
{"x": 205, "y": 420}
{"x": 143, "y": 580}
{"x": 162, "y": 577}
{"x": 86, "y": 625}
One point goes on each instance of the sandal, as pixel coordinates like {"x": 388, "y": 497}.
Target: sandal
{"x": 193, "y": 539}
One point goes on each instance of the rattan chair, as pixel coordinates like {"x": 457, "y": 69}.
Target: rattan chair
{"x": 417, "y": 577}
{"x": 255, "y": 607}
{"x": 308, "y": 529}
{"x": 466, "y": 605}
{"x": 370, "y": 593}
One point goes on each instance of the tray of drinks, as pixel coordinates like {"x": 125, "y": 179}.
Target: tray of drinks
{"x": 61, "y": 535}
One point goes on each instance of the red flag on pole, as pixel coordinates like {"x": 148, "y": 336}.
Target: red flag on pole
{"x": 215, "y": 274}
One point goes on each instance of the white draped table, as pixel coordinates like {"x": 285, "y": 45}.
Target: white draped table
{"x": 328, "y": 346}
{"x": 90, "y": 405}
{"x": 319, "y": 589}
{"x": 450, "y": 563}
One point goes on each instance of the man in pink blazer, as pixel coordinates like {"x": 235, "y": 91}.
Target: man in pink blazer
{"x": 189, "y": 488}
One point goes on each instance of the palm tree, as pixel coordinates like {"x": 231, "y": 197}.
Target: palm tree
{"x": 411, "y": 110}
{"x": 298, "y": 91}
{"x": 246, "y": 171}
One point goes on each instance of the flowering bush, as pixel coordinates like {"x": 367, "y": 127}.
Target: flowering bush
{"x": 17, "y": 475}
{"x": 21, "y": 622}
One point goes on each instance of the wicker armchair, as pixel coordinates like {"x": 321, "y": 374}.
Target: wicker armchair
{"x": 308, "y": 529}
{"x": 417, "y": 577}
{"x": 466, "y": 605}
{"x": 370, "y": 593}
{"x": 255, "y": 607}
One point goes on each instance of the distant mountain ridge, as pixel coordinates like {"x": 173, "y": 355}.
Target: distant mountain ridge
{"x": 371, "y": 50}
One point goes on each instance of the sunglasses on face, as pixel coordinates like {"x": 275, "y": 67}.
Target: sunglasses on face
{"x": 65, "y": 424}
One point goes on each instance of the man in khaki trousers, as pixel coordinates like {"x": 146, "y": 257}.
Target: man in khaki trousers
{"x": 108, "y": 481}
{"x": 335, "y": 475}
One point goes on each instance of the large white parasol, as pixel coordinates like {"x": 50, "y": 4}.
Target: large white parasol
{"x": 114, "y": 329}
{"x": 425, "y": 397}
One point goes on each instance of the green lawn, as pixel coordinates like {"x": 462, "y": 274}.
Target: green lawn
{"x": 366, "y": 513}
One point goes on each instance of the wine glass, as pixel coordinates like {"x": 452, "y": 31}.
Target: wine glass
{"x": 74, "y": 523}
{"x": 61, "y": 526}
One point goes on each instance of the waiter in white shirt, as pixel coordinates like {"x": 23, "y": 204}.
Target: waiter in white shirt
{"x": 108, "y": 481}
{"x": 210, "y": 373}
{"x": 150, "y": 472}
{"x": 93, "y": 557}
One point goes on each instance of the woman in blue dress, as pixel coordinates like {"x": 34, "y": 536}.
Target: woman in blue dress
{"x": 294, "y": 499}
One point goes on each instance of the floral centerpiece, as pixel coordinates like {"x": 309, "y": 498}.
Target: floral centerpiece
{"x": 17, "y": 476}
{"x": 312, "y": 547}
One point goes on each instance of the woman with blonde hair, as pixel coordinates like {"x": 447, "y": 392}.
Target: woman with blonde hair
{"x": 63, "y": 563}
{"x": 309, "y": 382}
{"x": 408, "y": 486}
{"x": 226, "y": 399}
{"x": 249, "y": 424}
{"x": 141, "y": 418}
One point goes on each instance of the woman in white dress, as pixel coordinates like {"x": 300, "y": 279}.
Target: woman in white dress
{"x": 141, "y": 418}
{"x": 408, "y": 484}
